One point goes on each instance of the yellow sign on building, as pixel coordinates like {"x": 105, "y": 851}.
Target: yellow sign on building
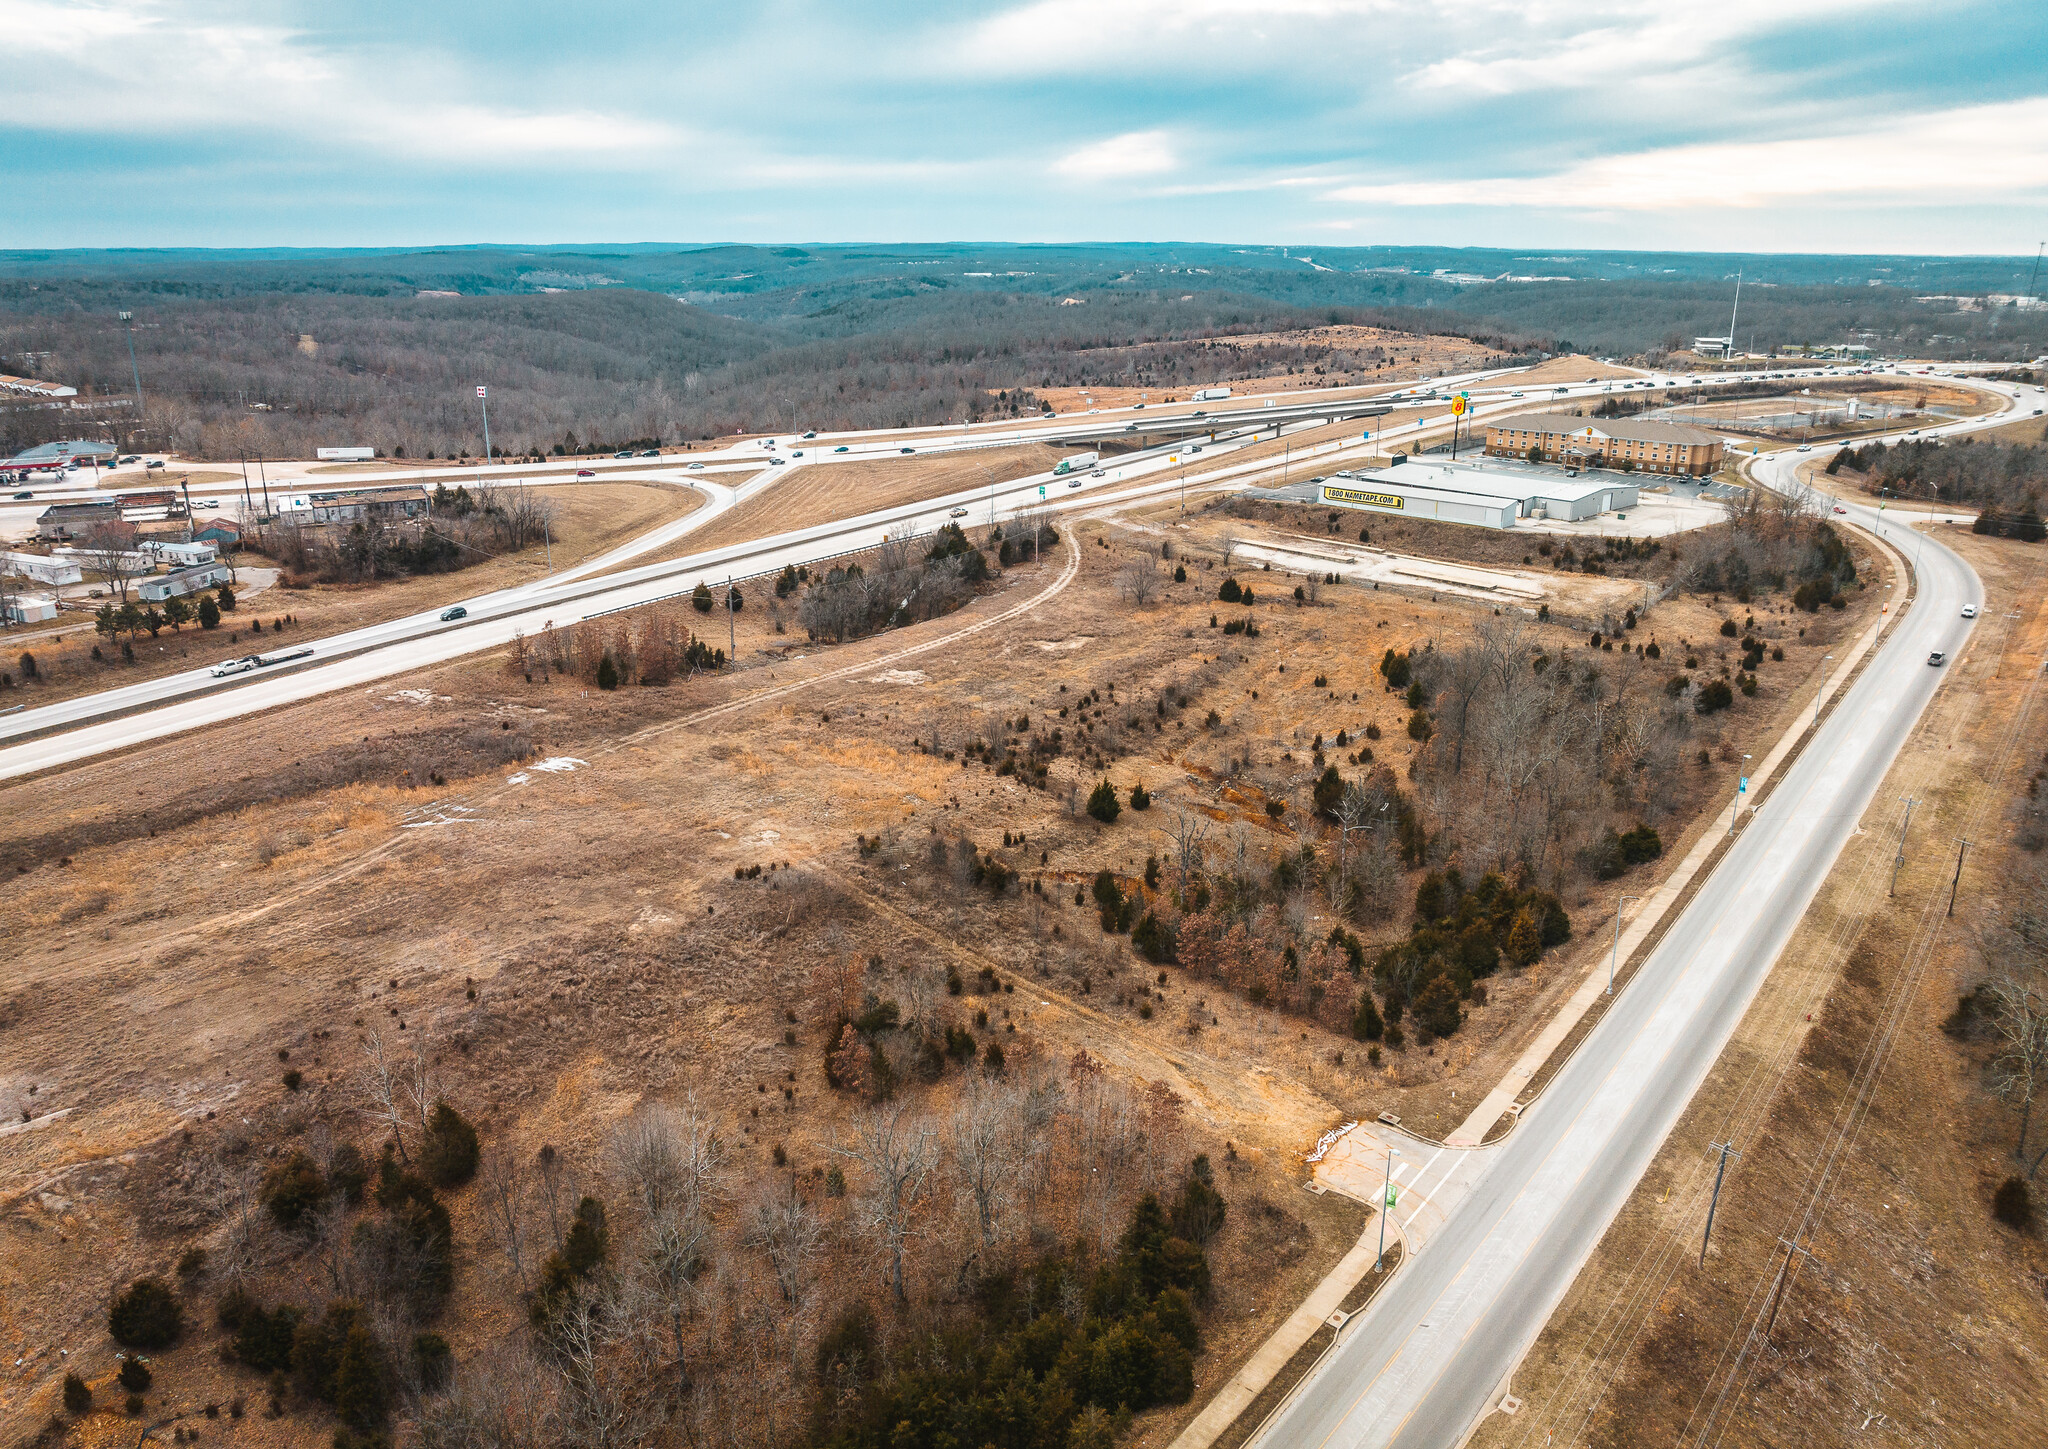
{"x": 1355, "y": 495}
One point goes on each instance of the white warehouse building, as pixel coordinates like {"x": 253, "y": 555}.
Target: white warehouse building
{"x": 1483, "y": 497}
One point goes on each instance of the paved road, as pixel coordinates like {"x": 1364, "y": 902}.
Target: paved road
{"x": 1431, "y": 1354}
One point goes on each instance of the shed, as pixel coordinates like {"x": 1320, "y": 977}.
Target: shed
{"x": 31, "y": 608}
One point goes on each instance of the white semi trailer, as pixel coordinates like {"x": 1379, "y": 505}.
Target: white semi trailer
{"x": 1212, "y": 394}
{"x": 1075, "y": 464}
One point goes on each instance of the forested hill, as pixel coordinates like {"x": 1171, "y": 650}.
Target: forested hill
{"x": 280, "y": 351}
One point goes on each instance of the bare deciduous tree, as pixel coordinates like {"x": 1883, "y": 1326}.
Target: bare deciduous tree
{"x": 896, "y": 1152}
{"x": 984, "y": 1131}
{"x": 669, "y": 1157}
{"x": 1138, "y": 580}
{"x": 785, "y": 1229}
{"x": 2020, "y": 1069}
{"x": 500, "y": 1398}
{"x": 1189, "y": 834}
{"x": 505, "y": 1194}
{"x": 110, "y": 551}
{"x": 379, "y": 1084}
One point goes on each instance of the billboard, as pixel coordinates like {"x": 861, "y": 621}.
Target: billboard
{"x": 344, "y": 455}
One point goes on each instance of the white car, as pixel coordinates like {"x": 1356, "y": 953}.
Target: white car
{"x": 775, "y": 462}
{"x": 235, "y": 666}
{"x": 1969, "y": 611}
{"x": 1805, "y": 448}
{"x": 1096, "y": 474}
{"x": 1075, "y": 484}
{"x": 957, "y": 513}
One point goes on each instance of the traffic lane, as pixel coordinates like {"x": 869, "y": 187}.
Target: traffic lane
{"x": 1482, "y": 1259}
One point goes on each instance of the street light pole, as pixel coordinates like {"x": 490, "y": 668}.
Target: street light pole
{"x": 1615, "y": 950}
{"x": 1821, "y": 693}
{"x": 1741, "y": 789}
{"x": 484, "y": 403}
{"x": 1386, "y": 1201}
{"x": 128, "y": 321}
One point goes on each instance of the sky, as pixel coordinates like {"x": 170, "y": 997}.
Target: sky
{"x": 1753, "y": 125}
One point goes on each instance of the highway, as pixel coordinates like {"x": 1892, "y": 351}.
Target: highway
{"x": 112, "y": 719}
{"x": 1433, "y": 1351}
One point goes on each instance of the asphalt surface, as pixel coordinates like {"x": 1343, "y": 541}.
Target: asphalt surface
{"x": 1431, "y": 1354}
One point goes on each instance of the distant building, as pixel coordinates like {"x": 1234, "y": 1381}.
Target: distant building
{"x": 49, "y": 457}
{"x": 184, "y": 581}
{"x": 29, "y": 387}
{"x": 31, "y": 608}
{"x": 1649, "y": 445}
{"x": 385, "y": 503}
{"x": 179, "y": 555}
{"x": 1475, "y": 494}
{"x": 42, "y": 568}
{"x": 222, "y": 533}
{"x": 73, "y": 520}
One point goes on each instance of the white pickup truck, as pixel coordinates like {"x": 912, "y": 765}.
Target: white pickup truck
{"x": 249, "y": 662}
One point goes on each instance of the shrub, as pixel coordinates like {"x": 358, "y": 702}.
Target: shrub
{"x": 1366, "y": 1024}
{"x": 191, "y": 1263}
{"x": 1437, "y": 1010}
{"x": 1230, "y": 592}
{"x": 1525, "y": 943}
{"x": 607, "y": 673}
{"x": 1140, "y": 799}
{"x": 1728, "y": 628}
{"x": 1397, "y": 670}
{"x": 263, "y": 1339}
{"x": 77, "y": 1394}
{"x": 1151, "y": 939}
{"x": 134, "y": 1375}
{"x": 2013, "y": 1204}
{"x": 148, "y": 1315}
{"x": 133, "y": 1405}
{"x": 700, "y": 597}
{"x": 1640, "y": 845}
{"x": 449, "y": 1152}
{"x": 1102, "y": 803}
{"x": 434, "y": 1359}
{"x": 347, "y": 1173}
{"x": 1714, "y": 697}
{"x": 293, "y": 1189}
{"x": 209, "y": 612}
{"x": 226, "y": 598}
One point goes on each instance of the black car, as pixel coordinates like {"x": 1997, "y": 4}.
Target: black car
{"x": 458, "y": 612}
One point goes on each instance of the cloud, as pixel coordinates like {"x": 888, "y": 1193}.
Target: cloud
{"x": 1987, "y": 154}
{"x": 1135, "y": 153}
{"x": 150, "y": 70}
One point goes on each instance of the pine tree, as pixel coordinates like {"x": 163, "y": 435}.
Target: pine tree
{"x": 1366, "y": 1024}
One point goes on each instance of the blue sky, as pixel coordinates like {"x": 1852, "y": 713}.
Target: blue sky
{"x": 1766, "y": 125}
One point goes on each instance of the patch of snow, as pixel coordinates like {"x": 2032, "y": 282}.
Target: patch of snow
{"x": 900, "y": 676}
{"x": 417, "y": 696}
{"x": 562, "y": 765}
{"x": 522, "y": 778}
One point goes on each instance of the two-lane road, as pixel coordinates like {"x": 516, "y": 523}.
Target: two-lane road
{"x": 1431, "y": 1354}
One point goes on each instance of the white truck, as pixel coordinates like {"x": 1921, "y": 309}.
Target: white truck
{"x": 1211, "y": 394}
{"x": 1075, "y": 464}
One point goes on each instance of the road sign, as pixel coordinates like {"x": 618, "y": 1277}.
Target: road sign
{"x": 1743, "y": 788}
{"x": 1458, "y": 406}
{"x": 1393, "y": 1193}
{"x": 479, "y": 392}
{"x": 1041, "y": 490}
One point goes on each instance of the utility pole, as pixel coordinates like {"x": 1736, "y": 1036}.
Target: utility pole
{"x": 247, "y": 502}
{"x": 547, "y": 538}
{"x": 1727, "y": 1150}
{"x": 1961, "y": 846}
{"x": 1778, "y": 1293}
{"x": 1615, "y": 950}
{"x": 128, "y": 321}
{"x": 732, "y": 647}
{"x": 264, "y": 478}
{"x": 1821, "y": 693}
{"x": 484, "y": 402}
{"x": 1386, "y": 1204}
{"x": 1899, "y": 860}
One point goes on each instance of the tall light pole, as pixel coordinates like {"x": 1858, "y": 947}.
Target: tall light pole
{"x": 1899, "y": 860}
{"x": 1821, "y": 693}
{"x": 1727, "y": 1150}
{"x": 128, "y": 322}
{"x": 484, "y": 402}
{"x": 1614, "y": 950}
{"x": 1386, "y": 1205}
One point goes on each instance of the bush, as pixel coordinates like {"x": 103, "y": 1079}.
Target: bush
{"x": 1714, "y": 697}
{"x": 434, "y": 1359}
{"x": 134, "y": 1375}
{"x": 77, "y": 1394}
{"x": 1140, "y": 799}
{"x": 1640, "y": 845}
{"x": 293, "y": 1189}
{"x": 1437, "y": 1010}
{"x": 347, "y": 1173}
{"x": 1419, "y": 727}
{"x": 209, "y": 612}
{"x": 449, "y": 1152}
{"x": 263, "y": 1339}
{"x": 2013, "y": 1204}
{"x": 1366, "y": 1023}
{"x": 700, "y": 597}
{"x": 1102, "y": 803}
{"x": 1151, "y": 939}
{"x": 607, "y": 673}
{"x": 1230, "y": 592}
{"x": 133, "y": 1405}
{"x": 148, "y": 1315}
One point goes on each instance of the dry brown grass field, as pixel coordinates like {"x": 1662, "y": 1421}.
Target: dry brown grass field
{"x": 190, "y": 920}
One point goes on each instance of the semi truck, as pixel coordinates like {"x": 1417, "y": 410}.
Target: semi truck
{"x": 1211, "y": 394}
{"x": 1074, "y": 464}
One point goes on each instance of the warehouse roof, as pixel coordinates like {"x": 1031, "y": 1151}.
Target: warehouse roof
{"x": 1437, "y": 480}
{"x": 1633, "y": 430}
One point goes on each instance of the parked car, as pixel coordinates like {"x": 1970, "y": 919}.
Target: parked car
{"x": 153, "y": 463}
{"x": 131, "y": 458}
{"x": 458, "y": 612}
{"x": 585, "y": 473}
{"x": 1969, "y": 611}
{"x": 1937, "y": 659}
{"x": 811, "y": 434}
